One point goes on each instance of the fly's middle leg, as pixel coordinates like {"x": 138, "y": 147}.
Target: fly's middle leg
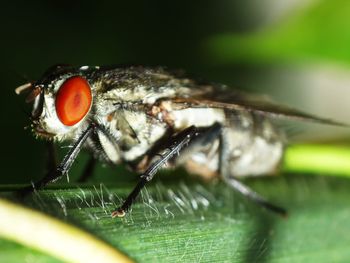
{"x": 179, "y": 142}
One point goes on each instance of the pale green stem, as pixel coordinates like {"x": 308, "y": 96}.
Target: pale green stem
{"x": 318, "y": 159}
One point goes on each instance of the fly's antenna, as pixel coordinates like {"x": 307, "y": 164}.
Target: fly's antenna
{"x": 28, "y": 83}
{"x": 20, "y": 89}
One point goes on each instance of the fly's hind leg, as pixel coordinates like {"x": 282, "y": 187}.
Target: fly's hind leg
{"x": 238, "y": 186}
{"x": 254, "y": 196}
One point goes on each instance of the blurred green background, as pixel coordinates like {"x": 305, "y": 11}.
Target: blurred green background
{"x": 297, "y": 51}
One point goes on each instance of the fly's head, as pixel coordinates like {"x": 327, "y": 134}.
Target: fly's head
{"x": 62, "y": 101}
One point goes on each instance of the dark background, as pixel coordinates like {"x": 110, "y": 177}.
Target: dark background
{"x": 38, "y": 34}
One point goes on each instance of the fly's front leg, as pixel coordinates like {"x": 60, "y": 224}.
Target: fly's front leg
{"x": 64, "y": 166}
{"x": 52, "y": 163}
{"x": 182, "y": 140}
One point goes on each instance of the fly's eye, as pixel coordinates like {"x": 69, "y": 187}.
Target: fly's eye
{"x": 73, "y": 100}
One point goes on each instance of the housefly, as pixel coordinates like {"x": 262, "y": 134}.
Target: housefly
{"x": 151, "y": 118}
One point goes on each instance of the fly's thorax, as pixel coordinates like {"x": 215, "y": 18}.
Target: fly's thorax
{"x": 139, "y": 133}
{"x": 140, "y": 84}
{"x": 141, "y": 94}
{"x": 130, "y": 130}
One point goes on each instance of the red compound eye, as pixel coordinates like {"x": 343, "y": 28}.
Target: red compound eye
{"x": 73, "y": 100}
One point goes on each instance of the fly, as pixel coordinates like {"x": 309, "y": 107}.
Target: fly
{"x": 152, "y": 118}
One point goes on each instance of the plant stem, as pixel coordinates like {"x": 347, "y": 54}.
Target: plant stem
{"x": 320, "y": 159}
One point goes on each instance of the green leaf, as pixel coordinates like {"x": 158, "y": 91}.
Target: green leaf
{"x": 39, "y": 231}
{"x": 190, "y": 221}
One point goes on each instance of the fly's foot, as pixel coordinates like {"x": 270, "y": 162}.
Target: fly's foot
{"x": 118, "y": 213}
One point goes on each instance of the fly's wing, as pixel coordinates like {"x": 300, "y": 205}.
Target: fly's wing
{"x": 223, "y": 97}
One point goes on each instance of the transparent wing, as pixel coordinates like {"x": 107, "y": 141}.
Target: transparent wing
{"x": 223, "y": 97}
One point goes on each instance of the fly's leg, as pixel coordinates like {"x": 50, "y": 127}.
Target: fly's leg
{"x": 180, "y": 141}
{"x": 88, "y": 170}
{"x": 238, "y": 186}
{"x": 64, "y": 166}
{"x": 254, "y": 196}
{"x": 52, "y": 163}
{"x": 184, "y": 139}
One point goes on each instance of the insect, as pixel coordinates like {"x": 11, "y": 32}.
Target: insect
{"x": 150, "y": 118}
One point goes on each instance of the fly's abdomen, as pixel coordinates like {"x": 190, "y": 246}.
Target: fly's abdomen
{"x": 251, "y": 146}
